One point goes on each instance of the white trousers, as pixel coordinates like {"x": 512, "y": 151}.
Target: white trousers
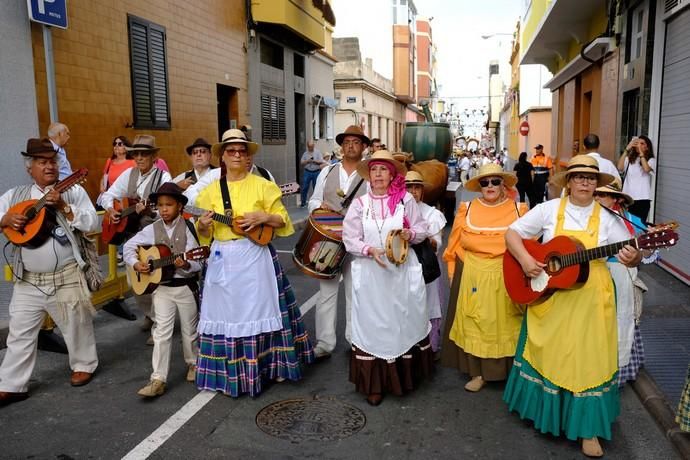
{"x": 326, "y": 313}
{"x": 166, "y": 302}
{"x": 27, "y": 309}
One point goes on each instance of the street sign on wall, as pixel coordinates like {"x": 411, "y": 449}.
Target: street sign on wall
{"x": 524, "y": 128}
{"x": 49, "y": 12}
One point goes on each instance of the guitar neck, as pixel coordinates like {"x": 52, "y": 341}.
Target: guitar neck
{"x": 127, "y": 211}
{"x": 222, "y": 218}
{"x": 165, "y": 261}
{"x": 579, "y": 257}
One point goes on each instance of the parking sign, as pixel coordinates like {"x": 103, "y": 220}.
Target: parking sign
{"x": 48, "y": 12}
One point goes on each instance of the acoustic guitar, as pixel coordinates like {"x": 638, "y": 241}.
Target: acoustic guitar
{"x": 113, "y": 233}
{"x": 567, "y": 263}
{"x": 161, "y": 262}
{"x": 261, "y": 235}
{"x": 40, "y": 220}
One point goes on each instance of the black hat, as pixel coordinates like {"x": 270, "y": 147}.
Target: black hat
{"x": 199, "y": 142}
{"x": 169, "y": 189}
{"x": 539, "y": 146}
{"x": 39, "y": 148}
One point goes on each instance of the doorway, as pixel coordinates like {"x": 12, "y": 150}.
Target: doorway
{"x": 228, "y": 110}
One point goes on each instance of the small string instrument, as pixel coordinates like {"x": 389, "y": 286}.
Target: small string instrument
{"x": 113, "y": 233}
{"x": 161, "y": 261}
{"x": 567, "y": 262}
{"x": 40, "y": 220}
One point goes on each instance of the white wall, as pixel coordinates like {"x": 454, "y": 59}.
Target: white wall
{"x": 18, "y": 117}
{"x": 532, "y": 94}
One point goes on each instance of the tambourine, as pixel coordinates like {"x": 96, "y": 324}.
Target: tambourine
{"x": 396, "y": 247}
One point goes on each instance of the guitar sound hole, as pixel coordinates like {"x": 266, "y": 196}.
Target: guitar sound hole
{"x": 554, "y": 265}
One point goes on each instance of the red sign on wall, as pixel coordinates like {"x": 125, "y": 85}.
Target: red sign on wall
{"x": 524, "y": 128}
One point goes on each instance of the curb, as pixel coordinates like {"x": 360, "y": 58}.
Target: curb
{"x": 654, "y": 401}
{"x": 5, "y": 325}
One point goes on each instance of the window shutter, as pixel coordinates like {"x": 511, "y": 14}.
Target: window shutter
{"x": 273, "y": 129}
{"x": 329, "y": 123}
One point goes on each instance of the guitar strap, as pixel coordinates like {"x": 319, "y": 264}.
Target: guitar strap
{"x": 192, "y": 230}
{"x": 227, "y": 204}
{"x": 639, "y": 227}
{"x": 348, "y": 199}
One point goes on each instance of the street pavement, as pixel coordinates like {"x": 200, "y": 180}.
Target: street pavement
{"x": 106, "y": 419}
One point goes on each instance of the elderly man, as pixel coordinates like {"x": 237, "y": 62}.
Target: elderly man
{"x": 58, "y": 134}
{"x": 336, "y": 187}
{"x": 312, "y": 161}
{"x": 138, "y": 183}
{"x": 200, "y": 156}
{"x": 48, "y": 277}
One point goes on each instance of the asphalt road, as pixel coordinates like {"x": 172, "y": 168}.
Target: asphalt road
{"x": 106, "y": 419}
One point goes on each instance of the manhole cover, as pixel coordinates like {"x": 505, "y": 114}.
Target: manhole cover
{"x": 310, "y": 420}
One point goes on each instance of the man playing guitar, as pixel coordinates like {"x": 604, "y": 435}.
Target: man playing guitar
{"x": 48, "y": 278}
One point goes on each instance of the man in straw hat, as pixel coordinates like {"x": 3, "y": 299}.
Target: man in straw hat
{"x": 200, "y": 156}
{"x": 138, "y": 183}
{"x": 51, "y": 275}
{"x": 336, "y": 186}
{"x": 569, "y": 358}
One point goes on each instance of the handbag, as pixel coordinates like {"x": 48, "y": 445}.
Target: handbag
{"x": 92, "y": 270}
{"x": 431, "y": 269}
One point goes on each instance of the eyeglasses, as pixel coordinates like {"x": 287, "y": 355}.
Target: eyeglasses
{"x": 494, "y": 182}
{"x": 582, "y": 178}
{"x": 352, "y": 142}
{"x": 236, "y": 153}
{"x": 200, "y": 151}
{"x": 141, "y": 153}
{"x": 118, "y": 144}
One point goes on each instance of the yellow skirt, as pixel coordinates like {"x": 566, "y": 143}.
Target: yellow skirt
{"x": 572, "y": 337}
{"x": 487, "y": 322}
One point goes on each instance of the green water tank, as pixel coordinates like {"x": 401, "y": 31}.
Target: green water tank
{"x": 428, "y": 141}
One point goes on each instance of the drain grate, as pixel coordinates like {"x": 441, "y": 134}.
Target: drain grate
{"x": 299, "y": 420}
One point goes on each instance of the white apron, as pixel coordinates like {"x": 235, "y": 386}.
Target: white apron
{"x": 240, "y": 291}
{"x": 623, "y": 281}
{"x": 389, "y": 311}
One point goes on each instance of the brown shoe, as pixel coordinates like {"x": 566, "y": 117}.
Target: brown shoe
{"x": 152, "y": 389}
{"x": 476, "y": 384}
{"x": 8, "y": 397}
{"x": 191, "y": 373}
{"x": 375, "y": 399}
{"x": 591, "y": 448}
{"x": 147, "y": 324}
{"x": 149, "y": 341}
{"x": 80, "y": 378}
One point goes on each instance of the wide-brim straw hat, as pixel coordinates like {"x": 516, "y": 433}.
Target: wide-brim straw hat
{"x": 615, "y": 188}
{"x": 490, "y": 170}
{"x": 42, "y": 148}
{"x": 143, "y": 143}
{"x": 414, "y": 178}
{"x": 234, "y": 136}
{"x": 380, "y": 155}
{"x": 352, "y": 130}
{"x": 170, "y": 189}
{"x": 581, "y": 164}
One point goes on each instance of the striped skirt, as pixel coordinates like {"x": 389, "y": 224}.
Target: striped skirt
{"x": 629, "y": 372}
{"x": 239, "y": 365}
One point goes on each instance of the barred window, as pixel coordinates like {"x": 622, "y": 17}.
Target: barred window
{"x": 149, "y": 73}
{"x": 273, "y": 119}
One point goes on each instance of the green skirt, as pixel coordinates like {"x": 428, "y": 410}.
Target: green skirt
{"x": 556, "y": 410}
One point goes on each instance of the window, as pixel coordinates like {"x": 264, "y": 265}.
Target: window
{"x": 272, "y": 54}
{"x": 298, "y": 65}
{"x": 149, "y": 72}
{"x": 322, "y": 119}
{"x": 273, "y": 119}
{"x": 631, "y": 104}
{"x": 635, "y": 34}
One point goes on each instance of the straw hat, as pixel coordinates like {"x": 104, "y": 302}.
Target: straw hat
{"x": 352, "y": 130}
{"x": 414, "y": 178}
{"x": 234, "y": 136}
{"x": 143, "y": 143}
{"x": 380, "y": 155}
{"x": 615, "y": 188}
{"x": 582, "y": 164}
{"x": 490, "y": 170}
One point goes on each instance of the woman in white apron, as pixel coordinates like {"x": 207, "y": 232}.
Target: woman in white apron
{"x": 390, "y": 320}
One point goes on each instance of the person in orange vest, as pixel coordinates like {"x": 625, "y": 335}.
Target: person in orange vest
{"x": 543, "y": 167}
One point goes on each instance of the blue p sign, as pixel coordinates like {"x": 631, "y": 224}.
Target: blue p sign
{"x": 48, "y": 12}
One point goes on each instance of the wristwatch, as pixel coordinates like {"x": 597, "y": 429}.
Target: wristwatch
{"x": 67, "y": 209}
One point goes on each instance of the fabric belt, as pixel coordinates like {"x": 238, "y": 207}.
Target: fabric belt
{"x": 192, "y": 283}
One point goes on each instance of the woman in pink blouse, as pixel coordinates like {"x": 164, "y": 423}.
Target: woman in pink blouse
{"x": 390, "y": 322}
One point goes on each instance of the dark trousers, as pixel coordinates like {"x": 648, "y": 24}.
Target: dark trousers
{"x": 525, "y": 190}
{"x": 539, "y": 188}
{"x": 640, "y": 208}
{"x": 308, "y": 179}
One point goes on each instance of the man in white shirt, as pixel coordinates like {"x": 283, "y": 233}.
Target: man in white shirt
{"x": 58, "y": 134}
{"x": 591, "y": 143}
{"x": 200, "y": 156}
{"x": 335, "y": 184}
{"x": 50, "y": 269}
{"x": 312, "y": 161}
{"x": 464, "y": 167}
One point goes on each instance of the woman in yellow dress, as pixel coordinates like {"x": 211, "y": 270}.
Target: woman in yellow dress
{"x": 482, "y": 331}
{"x": 564, "y": 377}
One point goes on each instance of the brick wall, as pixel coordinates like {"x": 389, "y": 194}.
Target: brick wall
{"x": 205, "y": 47}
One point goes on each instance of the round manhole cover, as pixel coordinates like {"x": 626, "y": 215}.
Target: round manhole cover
{"x": 310, "y": 419}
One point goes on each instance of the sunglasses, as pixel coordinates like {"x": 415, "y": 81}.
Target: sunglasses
{"x": 494, "y": 182}
{"x": 118, "y": 144}
{"x": 236, "y": 153}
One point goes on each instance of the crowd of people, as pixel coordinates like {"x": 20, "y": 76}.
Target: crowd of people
{"x": 562, "y": 359}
